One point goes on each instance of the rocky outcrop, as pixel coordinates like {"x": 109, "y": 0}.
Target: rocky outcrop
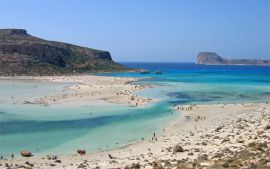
{"x": 210, "y": 58}
{"x": 23, "y": 54}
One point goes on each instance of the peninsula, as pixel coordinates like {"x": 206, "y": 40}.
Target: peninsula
{"x": 24, "y": 54}
{"x": 211, "y": 58}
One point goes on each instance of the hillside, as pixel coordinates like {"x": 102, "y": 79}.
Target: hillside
{"x": 24, "y": 54}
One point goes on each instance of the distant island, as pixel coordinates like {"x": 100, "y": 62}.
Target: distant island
{"x": 211, "y": 58}
{"x": 23, "y": 54}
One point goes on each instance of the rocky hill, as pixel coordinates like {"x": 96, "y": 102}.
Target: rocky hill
{"x": 210, "y": 58}
{"x": 23, "y": 54}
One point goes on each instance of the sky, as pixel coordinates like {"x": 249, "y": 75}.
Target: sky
{"x": 148, "y": 30}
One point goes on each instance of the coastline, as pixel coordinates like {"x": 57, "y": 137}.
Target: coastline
{"x": 204, "y": 141}
{"x": 89, "y": 88}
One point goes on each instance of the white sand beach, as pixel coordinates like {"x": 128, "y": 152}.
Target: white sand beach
{"x": 203, "y": 136}
{"x": 96, "y": 84}
{"x": 89, "y": 88}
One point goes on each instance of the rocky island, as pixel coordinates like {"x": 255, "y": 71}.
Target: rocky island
{"x": 24, "y": 54}
{"x": 211, "y": 58}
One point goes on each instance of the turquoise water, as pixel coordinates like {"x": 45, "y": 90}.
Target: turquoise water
{"x": 200, "y": 84}
{"x": 68, "y": 127}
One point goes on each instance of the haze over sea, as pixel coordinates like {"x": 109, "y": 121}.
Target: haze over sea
{"x": 67, "y": 127}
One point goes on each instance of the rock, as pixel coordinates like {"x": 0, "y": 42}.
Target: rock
{"x": 110, "y": 156}
{"x": 30, "y": 164}
{"x": 268, "y": 164}
{"x": 26, "y": 153}
{"x": 261, "y": 162}
{"x": 252, "y": 144}
{"x": 81, "y": 152}
{"x": 211, "y": 58}
{"x": 177, "y": 148}
{"x": 268, "y": 159}
{"x": 54, "y": 157}
{"x": 58, "y": 161}
{"x": 204, "y": 143}
{"x": 81, "y": 166}
{"x": 267, "y": 127}
{"x": 260, "y": 132}
{"x": 263, "y": 144}
{"x": 208, "y": 58}
{"x": 135, "y": 166}
{"x": 240, "y": 141}
{"x": 218, "y": 129}
{"x": 216, "y": 137}
{"x": 239, "y": 120}
{"x": 156, "y": 165}
{"x": 217, "y": 155}
{"x": 225, "y": 165}
{"x": 169, "y": 149}
{"x": 190, "y": 154}
{"x": 225, "y": 140}
{"x": 240, "y": 127}
{"x": 203, "y": 157}
{"x": 252, "y": 165}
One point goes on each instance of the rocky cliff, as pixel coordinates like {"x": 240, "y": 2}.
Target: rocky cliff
{"x": 23, "y": 54}
{"x": 210, "y": 58}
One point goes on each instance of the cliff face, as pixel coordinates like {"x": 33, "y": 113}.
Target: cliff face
{"x": 23, "y": 54}
{"x": 210, "y": 58}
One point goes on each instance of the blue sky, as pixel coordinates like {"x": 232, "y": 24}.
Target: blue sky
{"x": 152, "y": 30}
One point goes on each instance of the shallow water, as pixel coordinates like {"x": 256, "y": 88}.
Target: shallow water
{"x": 199, "y": 84}
{"x": 68, "y": 127}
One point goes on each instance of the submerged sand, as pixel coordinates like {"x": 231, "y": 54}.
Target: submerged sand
{"x": 203, "y": 136}
{"x": 89, "y": 88}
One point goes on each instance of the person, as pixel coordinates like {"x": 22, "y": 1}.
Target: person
{"x": 12, "y": 156}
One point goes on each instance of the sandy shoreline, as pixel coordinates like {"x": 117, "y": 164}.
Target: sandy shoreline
{"x": 206, "y": 135}
{"x": 200, "y": 136}
{"x": 90, "y": 88}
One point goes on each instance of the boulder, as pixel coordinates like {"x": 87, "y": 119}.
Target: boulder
{"x": 26, "y": 153}
{"x": 177, "y": 148}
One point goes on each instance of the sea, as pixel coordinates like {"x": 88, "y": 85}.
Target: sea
{"x": 64, "y": 128}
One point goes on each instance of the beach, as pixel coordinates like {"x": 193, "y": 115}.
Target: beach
{"x": 135, "y": 84}
{"x": 207, "y": 135}
{"x": 89, "y": 88}
{"x": 210, "y": 135}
